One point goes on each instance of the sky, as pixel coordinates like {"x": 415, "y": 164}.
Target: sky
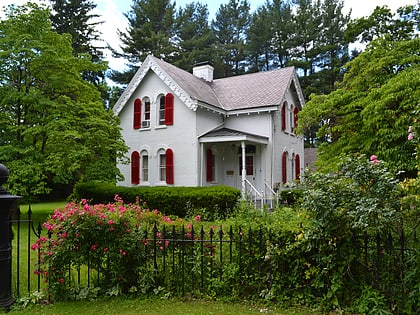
{"x": 112, "y": 13}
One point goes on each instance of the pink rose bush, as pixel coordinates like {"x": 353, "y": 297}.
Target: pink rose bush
{"x": 111, "y": 239}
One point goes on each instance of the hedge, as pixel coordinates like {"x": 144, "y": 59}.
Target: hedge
{"x": 214, "y": 201}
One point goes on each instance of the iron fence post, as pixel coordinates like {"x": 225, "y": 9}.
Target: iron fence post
{"x": 8, "y": 207}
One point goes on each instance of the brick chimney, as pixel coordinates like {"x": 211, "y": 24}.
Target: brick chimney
{"x": 203, "y": 70}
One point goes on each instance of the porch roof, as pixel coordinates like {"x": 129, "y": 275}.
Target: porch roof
{"x": 230, "y": 135}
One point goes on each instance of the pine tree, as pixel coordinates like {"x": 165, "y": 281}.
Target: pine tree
{"x": 195, "y": 38}
{"x": 230, "y": 27}
{"x": 75, "y": 17}
{"x": 151, "y": 30}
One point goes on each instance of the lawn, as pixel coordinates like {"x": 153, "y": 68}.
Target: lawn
{"x": 158, "y": 307}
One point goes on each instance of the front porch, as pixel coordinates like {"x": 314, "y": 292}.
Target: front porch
{"x": 237, "y": 159}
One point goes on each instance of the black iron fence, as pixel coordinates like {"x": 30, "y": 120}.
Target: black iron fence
{"x": 242, "y": 262}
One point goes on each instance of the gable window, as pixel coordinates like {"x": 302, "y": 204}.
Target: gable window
{"x": 144, "y": 166}
{"x": 284, "y": 167}
{"x": 135, "y": 168}
{"x": 210, "y": 167}
{"x": 297, "y": 167}
{"x": 283, "y": 116}
{"x": 137, "y": 114}
{"x": 166, "y": 110}
{"x": 146, "y": 113}
{"x": 162, "y": 110}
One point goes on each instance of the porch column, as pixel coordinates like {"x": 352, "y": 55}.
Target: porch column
{"x": 243, "y": 169}
{"x": 201, "y": 163}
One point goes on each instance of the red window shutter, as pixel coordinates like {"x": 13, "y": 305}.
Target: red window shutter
{"x": 137, "y": 114}
{"x": 283, "y": 116}
{"x": 169, "y": 109}
{"x": 284, "y": 168}
{"x": 135, "y": 168}
{"x": 169, "y": 167}
{"x": 209, "y": 166}
{"x": 295, "y": 117}
{"x": 297, "y": 166}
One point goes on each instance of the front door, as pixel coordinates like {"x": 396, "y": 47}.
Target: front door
{"x": 250, "y": 172}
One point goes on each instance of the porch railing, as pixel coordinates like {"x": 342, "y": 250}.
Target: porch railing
{"x": 268, "y": 197}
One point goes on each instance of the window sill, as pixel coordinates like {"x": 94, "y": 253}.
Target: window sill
{"x": 161, "y": 127}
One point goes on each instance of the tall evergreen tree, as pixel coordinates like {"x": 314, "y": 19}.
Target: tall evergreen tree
{"x": 260, "y": 41}
{"x": 332, "y": 48}
{"x": 283, "y": 25}
{"x": 75, "y": 17}
{"x": 195, "y": 38}
{"x": 306, "y": 46}
{"x": 230, "y": 27}
{"x": 151, "y": 30}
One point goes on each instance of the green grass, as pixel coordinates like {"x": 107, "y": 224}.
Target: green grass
{"x": 123, "y": 306}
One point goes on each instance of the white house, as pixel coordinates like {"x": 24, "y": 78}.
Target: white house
{"x": 187, "y": 129}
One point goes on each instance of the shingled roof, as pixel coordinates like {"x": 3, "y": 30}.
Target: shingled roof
{"x": 254, "y": 90}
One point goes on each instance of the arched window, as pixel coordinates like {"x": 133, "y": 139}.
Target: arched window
{"x": 146, "y": 113}
{"x": 284, "y": 167}
{"x": 144, "y": 166}
{"x": 210, "y": 171}
{"x": 283, "y": 116}
{"x": 166, "y": 109}
{"x": 169, "y": 167}
{"x": 137, "y": 114}
{"x": 297, "y": 167}
{"x": 135, "y": 168}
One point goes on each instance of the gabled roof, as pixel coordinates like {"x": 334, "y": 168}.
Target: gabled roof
{"x": 228, "y": 135}
{"x": 249, "y": 91}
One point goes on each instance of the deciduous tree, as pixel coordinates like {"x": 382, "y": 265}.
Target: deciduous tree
{"x": 55, "y": 130}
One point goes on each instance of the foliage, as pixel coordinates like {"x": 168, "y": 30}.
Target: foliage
{"x": 371, "y": 302}
{"x": 109, "y": 238}
{"x": 371, "y": 109}
{"x": 151, "y": 31}
{"x": 361, "y": 196}
{"x": 211, "y": 202}
{"x": 230, "y": 27}
{"x": 55, "y": 130}
{"x": 196, "y": 40}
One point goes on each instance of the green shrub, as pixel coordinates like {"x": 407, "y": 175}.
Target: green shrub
{"x": 214, "y": 201}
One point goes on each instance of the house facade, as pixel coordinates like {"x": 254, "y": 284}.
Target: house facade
{"x": 187, "y": 129}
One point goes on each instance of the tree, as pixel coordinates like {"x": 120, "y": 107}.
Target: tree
{"x": 399, "y": 26}
{"x": 151, "y": 31}
{"x": 75, "y": 17}
{"x": 371, "y": 109}
{"x": 195, "y": 38}
{"x": 230, "y": 27}
{"x": 332, "y": 49}
{"x": 55, "y": 130}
